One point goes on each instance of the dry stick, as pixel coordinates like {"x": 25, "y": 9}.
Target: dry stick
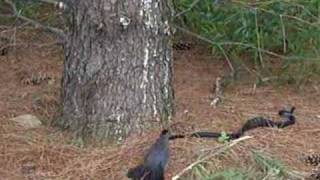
{"x": 222, "y": 149}
{"x": 218, "y": 94}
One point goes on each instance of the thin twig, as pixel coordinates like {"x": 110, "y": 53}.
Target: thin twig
{"x": 284, "y": 37}
{"x": 218, "y": 94}
{"x": 194, "y": 3}
{"x": 227, "y": 59}
{"x": 220, "y": 150}
{"x": 258, "y": 37}
{"x": 50, "y": 2}
{"x": 37, "y": 24}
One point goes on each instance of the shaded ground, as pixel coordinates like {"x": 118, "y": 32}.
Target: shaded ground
{"x": 45, "y": 153}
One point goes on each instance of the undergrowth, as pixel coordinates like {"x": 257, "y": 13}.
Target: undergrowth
{"x": 274, "y": 40}
{"x": 39, "y": 11}
{"x": 263, "y": 167}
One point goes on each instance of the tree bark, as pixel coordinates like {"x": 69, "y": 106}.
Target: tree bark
{"x": 118, "y": 67}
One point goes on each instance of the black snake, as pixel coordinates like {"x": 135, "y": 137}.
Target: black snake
{"x": 287, "y": 120}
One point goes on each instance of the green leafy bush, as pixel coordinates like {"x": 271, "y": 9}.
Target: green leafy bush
{"x": 265, "y": 32}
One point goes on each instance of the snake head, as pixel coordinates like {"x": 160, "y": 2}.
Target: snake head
{"x": 287, "y": 113}
{"x": 288, "y": 117}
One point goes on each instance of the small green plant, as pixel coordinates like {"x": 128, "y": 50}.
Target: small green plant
{"x": 224, "y": 138}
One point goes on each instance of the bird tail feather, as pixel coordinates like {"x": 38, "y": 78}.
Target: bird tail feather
{"x": 137, "y": 172}
{"x": 142, "y": 172}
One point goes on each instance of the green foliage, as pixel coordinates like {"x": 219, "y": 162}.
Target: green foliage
{"x": 264, "y": 167}
{"x": 286, "y": 30}
{"x": 34, "y": 9}
{"x": 28, "y": 8}
{"x": 230, "y": 174}
{"x": 270, "y": 167}
{"x": 202, "y": 173}
{"x": 223, "y": 137}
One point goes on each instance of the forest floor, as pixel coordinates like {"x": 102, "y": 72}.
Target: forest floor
{"x": 47, "y": 153}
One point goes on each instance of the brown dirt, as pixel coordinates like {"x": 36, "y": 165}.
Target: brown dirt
{"x": 46, "y": 153}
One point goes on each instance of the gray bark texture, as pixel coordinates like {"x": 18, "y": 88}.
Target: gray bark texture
{"x": 118, "y": 67}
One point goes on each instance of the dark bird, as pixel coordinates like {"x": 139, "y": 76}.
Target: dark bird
{"x": 154, "y": 161}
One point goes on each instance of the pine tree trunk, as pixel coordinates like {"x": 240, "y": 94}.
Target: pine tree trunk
{"x": 118, "y": 67}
